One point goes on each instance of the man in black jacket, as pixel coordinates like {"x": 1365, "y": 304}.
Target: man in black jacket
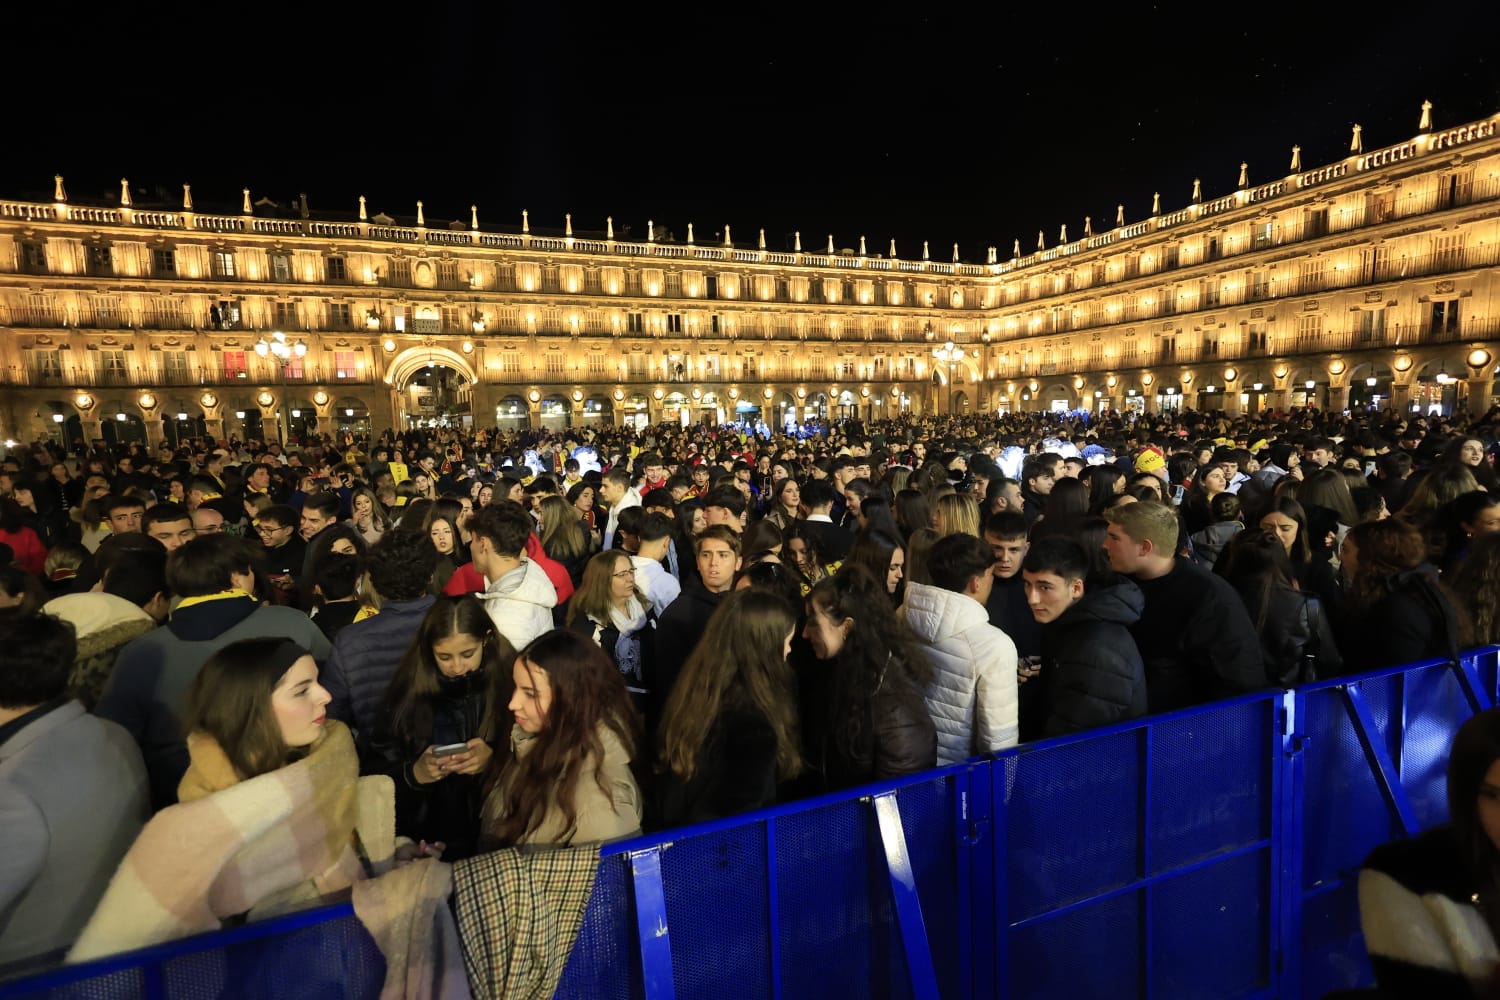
{"x": 1194, "y": 633}
{"x": 682, "y": 624}
{"x": 1091, "y": 672}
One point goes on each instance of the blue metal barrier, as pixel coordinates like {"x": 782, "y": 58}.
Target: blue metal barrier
{"x": 1208, "y": 852}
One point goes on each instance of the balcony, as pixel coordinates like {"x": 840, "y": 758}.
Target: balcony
{"x": 84, "y": 377}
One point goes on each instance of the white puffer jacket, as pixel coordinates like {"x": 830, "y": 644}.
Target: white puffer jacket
{"x": 972, "y": 696}
{"x": 520, "y": 603}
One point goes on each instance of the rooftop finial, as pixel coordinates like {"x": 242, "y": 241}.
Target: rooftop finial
{"x": 609, "y": 227}
{"x": 1041, "y": 240}
{"x": 690, "y": 233}
{"x": 474, "y": 217}
{"x": 924, "y": 251}
{"x": 650, "y": 231}
{"x": 1062, "y": 236}
{"x": 994, "y": 257}
{"x": 1197, "y": 190}
{"x": 568, "y": 224}
{"x": 187, "y": 197}
{"x": 246, "y": 209}
{"x": 421, "y": 219}
{"x": 1015, "y": 251}
{"x": 1156, "y": 203}
{"x": 525, "y": 221}
{"x": 797, "y": 241}
{"x": 893, "y": 248}
{"x": 955, "y": 253}
{"x": 1426, "y": 122}
{"x": 1120, "y": 215}
{"x": 727, "y": 241}
{"x": 1356, "y": 141}
{"x": 862, "y": 246}
{"x": 1088, "y": 226}
{"x": 1244, "y": 174}
{"x": 124, "y": 193}
{"x": 58, "y": 194}
{"x": 1296, "y": 159}
{"x": 762, "y": 239}
{"x": 830, "y": 244}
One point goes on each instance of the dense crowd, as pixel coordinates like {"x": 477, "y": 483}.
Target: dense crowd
{"x": 564, "y": 638}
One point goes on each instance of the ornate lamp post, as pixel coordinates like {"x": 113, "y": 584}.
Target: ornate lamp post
{"x": 949, "y": 355}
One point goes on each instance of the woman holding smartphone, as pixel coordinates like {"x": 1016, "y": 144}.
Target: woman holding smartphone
{"x": 438, "y": 725}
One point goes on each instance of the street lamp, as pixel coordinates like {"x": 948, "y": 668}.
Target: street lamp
{"x": 283, "y": 352}
{"x": 949, "y": 355}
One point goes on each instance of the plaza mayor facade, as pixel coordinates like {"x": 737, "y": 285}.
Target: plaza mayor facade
{"x": 1367, "y": 281}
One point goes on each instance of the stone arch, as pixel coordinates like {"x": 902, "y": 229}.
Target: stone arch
{"x": 408, "y": 362}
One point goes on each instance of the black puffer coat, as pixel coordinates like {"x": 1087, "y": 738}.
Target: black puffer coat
{"x": 1092, "y": 674}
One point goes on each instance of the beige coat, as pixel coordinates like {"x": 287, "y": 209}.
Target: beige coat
{"x": 600, "y": 817}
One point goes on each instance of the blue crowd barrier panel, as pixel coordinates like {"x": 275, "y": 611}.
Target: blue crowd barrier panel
{"x": 1140, "y": 860}
{"x": 1372, "y": 766}
{"x": 816, "y": 899}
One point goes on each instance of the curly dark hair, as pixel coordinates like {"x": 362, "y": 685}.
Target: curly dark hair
{"x": 401, "y": 564}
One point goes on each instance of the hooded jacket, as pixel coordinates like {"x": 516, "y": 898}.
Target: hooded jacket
{"x": 104, "y": 624}
{"x": 1092, "y": 674}
{"x": 520, "y": 603}
{"x": 972, "y": 696}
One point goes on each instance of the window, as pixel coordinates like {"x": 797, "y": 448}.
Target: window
{"x": 339, "y": 316}
{"x": 1208, "y": 294}
{"x": 510, "y": 362}
{"x": 596, "y": 363}
{"x": 1371, "y": 325}
{"x": 1262, "y": 235}
{"x": 555, "y": 363}
{"x": 224, "y": 315}
{"x": 1210, "y": 345}
{"x": 1314, "y": 223}
{"x": 34, "y": 258}
{"x": 112, "y": 364}
{"x": 1310, "y": 275}
{"x": 295, "y": 367}
{"x": 846, "y": 368}
{"x": 448, "y": 316}
{"x": 1258, "y": 342}
{"x": 1168, "y": 348}
{"x": 284, "y": 315}
{"x": 164, "y": 262}
{"x": 100, "y": 263}
{"x": 46, "y": 364}
{"x": 401, "y": 272}
{"x": 711, "y": 286}
{"x": 224, "y": 264}
{"x": 1259, "y": 287}
{"x": 674, "y": 322}
{"x": 1448, "y": 252}
{"x": 338, "y": 269}
{"x": 637, "y": 364}
{"x": 634, "y": 323}
{"x": 344, "y": 365}
{"x": 234, "y": 365}
{"x": 175, "y": 366}
{"x": 1444, "y": 316}
{"x": 281, "y": 267}
{"x": 1309, "y": 333}
{"x": 714, "y": 323}
{"x": 165, "y": 312}
{"x": 447, "y": 274}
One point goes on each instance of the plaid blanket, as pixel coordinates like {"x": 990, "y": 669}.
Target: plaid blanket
{"x": 264, "y": 845}
{"x": 519, "y": 911}
{"x": 406, "y": 912}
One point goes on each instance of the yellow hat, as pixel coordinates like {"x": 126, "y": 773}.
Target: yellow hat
{"x": 1150, "y": 460}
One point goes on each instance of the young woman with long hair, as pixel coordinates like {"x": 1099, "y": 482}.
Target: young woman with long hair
{"x": 1464, "y": 521}
{"x": 1207, "y": 484}
{"x": 729, "y": 732}
{"x": 875, "y": 724}
{"x": 610, "y": 609}
{"x": 912, "y": 512}
{"x": 1296, "y": 634}
{"x": 882, "y": 555}
{"x": 954, "y": 514}
{"x": 802, "y": 550}
{"x": 449, "y": 689}
{"x": 786, "y": 503}
{"x": 582, "y": 496}
{"x": 1063, "y": 510}
{"x": 563, "y": 536}
{"x": 1286, "y": 519}
{"x": 370, "y": 518}
{"x": 568, "y": 777}
{"x": 1104, "y": 482}
{"x": 1475, "y": 589}
{"x": 444, "y": 533}
{"x": 1394, "y": 612}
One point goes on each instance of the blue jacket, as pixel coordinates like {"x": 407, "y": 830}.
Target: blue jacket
{"x": 364, "y": 659}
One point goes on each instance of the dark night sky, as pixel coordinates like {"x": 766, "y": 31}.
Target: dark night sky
{"x": 973, "y": 123}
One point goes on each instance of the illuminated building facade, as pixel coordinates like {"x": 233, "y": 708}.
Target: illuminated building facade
{"x": 1371, "y": 280}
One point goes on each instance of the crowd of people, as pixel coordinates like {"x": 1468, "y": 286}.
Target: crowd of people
{"x": 564, "y": 638}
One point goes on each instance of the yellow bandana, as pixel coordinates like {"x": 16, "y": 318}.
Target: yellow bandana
{"x": 223, "y": 595}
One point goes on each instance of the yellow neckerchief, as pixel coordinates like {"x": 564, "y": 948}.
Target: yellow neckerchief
{"x": 223, "y": 595}
{"x": 365, "y": 612}
{"x": 213, "y": 496}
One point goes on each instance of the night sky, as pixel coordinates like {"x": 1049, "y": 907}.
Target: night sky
{"x": 977, "y": 124}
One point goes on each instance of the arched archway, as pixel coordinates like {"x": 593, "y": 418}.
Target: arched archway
{"x": 556, "y": 412}
{"x": 119, "y": 423}
{"x": 511, "y": 414}
{"x": 410, "y": 362}
{"x": 598, "y": 410}
{"x": 1435, "y": 390}
{"x": 637, "y": 411}
{"x": 352, "y": 415}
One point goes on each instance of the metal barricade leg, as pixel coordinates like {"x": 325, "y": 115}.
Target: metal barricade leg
{"x": 908, "y": 903}
{"x": 1381, "y": 765}
{"x": 1466, "y": 669}
{"x": 651, "y": 922}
